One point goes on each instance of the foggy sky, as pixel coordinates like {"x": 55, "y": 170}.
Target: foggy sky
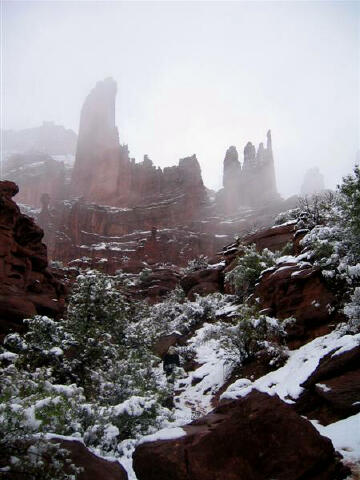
{"x": 195, "y": 77}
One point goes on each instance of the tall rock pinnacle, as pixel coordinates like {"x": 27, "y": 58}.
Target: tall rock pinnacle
{"x": 232, "y": 168}
{"x": 98, "y": 142}
{"x": 255, "y": 183}
{"x": 104, "y": 173}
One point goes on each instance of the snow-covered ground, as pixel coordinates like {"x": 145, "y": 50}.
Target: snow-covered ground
{"x": 285, "y": 382}
{"x": 345, "y": 436}
{"x": 194, "y": 392}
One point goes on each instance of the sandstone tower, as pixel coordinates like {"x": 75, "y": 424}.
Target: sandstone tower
{"x": 252, "y": 184}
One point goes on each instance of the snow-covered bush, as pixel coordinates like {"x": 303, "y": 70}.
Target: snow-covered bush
{"x": 248, "y": 335}
{"x": 349, "y": 202}
{"x": 199, "y": 263}
{"x": 90, "y": 375}
{"x": 352, "y": 311}
{"x": 287, "y": 216}
{"x": 248, "y": 269}
{"x": 333, "y": 243}
{"x": 144, "y": 275}
{"x": 174, "y": 315}
{"x": 31, "y": 405}
{"x": 316, "y": 209}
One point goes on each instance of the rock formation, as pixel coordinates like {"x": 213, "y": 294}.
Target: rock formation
{"x": 254, "y": 183}
{"x": 105, "y": 174}
{"x": 107, "y": 206}
{"x": 332, "y": 391}
{"x": 93, "y": 467}
{"x": 98, "y": 153}
{"x": 26, "y": 286}
{"x": 241, "y": 440}
{"x": 313, "y": 182}
{"x": 36, "y": 174}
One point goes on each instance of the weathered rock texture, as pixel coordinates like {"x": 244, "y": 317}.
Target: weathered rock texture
{"x": 251, "y": 184}
{"x": 254, "y": 438}
{"x": 26, "y": 285}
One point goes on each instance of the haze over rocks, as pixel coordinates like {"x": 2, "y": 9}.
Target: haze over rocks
{"x": 170, "y": 241}
{"x": 107, "y": 204}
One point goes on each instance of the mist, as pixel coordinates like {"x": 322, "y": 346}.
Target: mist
{"x": 195, "y": 77}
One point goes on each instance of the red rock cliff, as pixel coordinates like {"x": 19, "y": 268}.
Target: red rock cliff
{"x": 26, "y": 286}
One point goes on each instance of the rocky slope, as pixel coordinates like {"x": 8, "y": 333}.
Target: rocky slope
{"x": 319, "y": 381}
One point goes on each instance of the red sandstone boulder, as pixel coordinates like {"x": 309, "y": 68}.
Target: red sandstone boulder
{"x": 291, "y": 291}
{"x": 94, "y": 467}
{"x": 26, "y": 286}
{"x": 254, "y": 438}
{"x": 274, "y": 238}
{"x": 332, "y": 392}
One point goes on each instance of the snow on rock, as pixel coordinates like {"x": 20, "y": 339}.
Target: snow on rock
{"x": 286, "y": 381}
{"x": 345, "y": 436}
{"x": 164, "y": 434}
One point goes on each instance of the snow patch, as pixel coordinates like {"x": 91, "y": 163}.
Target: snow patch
{"x": 164, "y": 434}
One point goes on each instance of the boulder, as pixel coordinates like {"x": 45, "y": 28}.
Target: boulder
{"x": 257, "y": 437}
{"x": 296, "y": 291}
{"x": 94, "y": 467}
{"x": 274, "y": 238}
{"x": 332, "y": 392}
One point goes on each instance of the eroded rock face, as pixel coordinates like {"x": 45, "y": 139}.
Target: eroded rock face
{"x": 254, "y": 438}
{"x": 126, "y": 237}
{"x": 26, "y": 285}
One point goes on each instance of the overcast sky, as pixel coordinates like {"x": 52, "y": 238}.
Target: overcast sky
{"x": 195, "y": 77}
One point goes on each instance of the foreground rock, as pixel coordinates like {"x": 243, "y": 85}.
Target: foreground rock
{"x": 94, "y": 467}
{"x": 298, "y": 291}
{"x": 254, "y": 438}
{"x": 26, "y": 286}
